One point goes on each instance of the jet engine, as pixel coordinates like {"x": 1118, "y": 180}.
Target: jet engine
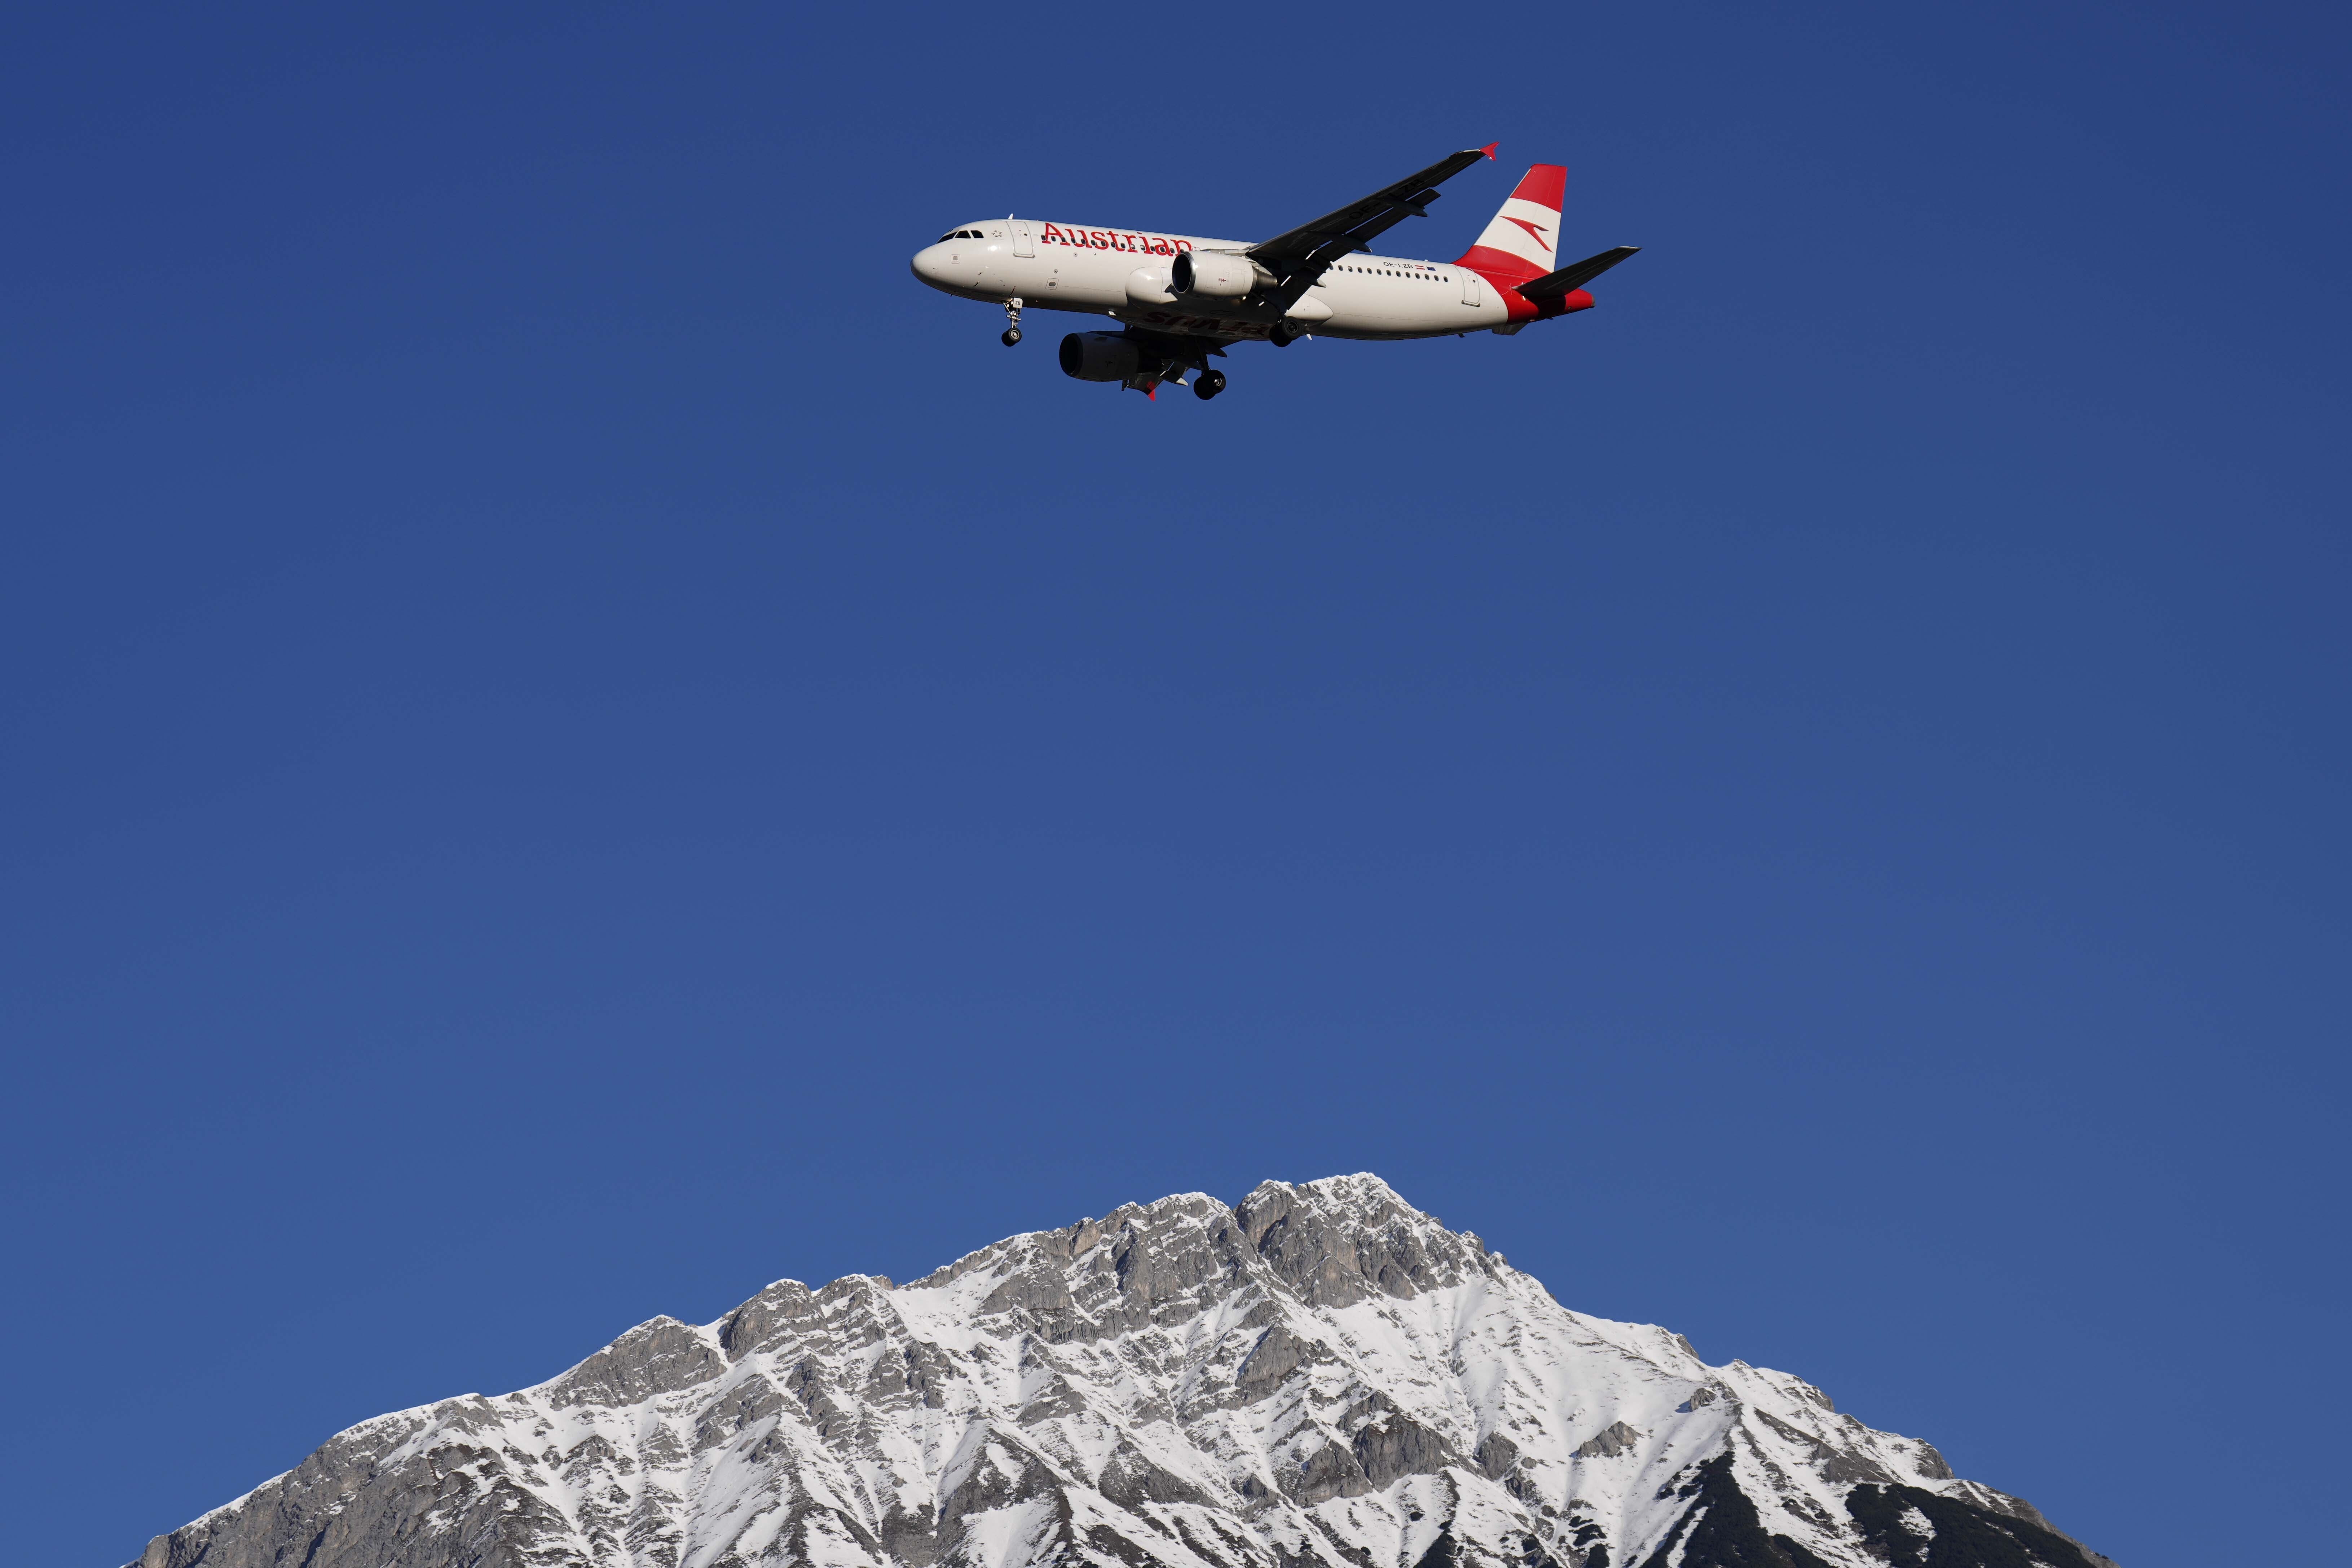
{"x": 1100, "y": 356}
{"x": 1222, "y": 277}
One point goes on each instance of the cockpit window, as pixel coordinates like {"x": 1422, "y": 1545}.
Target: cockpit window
{"x": 945, "y": 238}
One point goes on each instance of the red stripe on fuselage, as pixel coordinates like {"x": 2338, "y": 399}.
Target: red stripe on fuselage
{"x": 1502, "y": 269}
{"x": 1505, "y": 279}
{"x": 1491, "y": 264}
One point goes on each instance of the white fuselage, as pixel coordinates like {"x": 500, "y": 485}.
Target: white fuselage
{"x": 1124, "y": 273}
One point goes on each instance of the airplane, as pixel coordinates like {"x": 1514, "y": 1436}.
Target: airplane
{"x": 1182, "y": 299}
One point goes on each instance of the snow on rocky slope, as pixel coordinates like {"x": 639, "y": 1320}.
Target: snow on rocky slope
{"x": 1321, "y": 1375}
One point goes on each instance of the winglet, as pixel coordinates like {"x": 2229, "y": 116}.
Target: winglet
{"x": 1489, "y": 150}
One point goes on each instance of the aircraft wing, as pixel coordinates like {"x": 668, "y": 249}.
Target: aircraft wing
{"x": 1298, "y": 256}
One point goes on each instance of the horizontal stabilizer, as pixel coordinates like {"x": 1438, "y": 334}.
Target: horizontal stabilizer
{"x": 1552, "y": 285}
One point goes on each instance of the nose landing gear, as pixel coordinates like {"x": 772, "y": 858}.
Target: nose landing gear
{"x": 1012, "y": 317}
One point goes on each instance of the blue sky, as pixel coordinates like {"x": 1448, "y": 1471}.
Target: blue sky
{"x": 577, "y": 743}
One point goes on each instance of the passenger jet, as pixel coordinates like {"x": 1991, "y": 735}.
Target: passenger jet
{"x": 1182, "y": 298}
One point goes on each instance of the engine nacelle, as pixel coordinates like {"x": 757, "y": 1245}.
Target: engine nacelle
{"x": 1148, "y": 285}
{"x": 1220, "y": 277}
{"x": 1100, "y": 356}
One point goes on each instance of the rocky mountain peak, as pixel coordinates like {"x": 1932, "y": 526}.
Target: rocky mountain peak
{"x": 1318, "y": 1375}
{"x": 1338, "y": 1241}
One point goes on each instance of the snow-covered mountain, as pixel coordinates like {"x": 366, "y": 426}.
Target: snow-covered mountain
{"x": 1321, "y": 1375}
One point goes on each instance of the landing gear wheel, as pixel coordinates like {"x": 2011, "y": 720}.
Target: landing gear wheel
{"x": 1011, "y": 322}
{"x": 1282, "y": 337}
{"x": 1011, "y": 335}
{"x": 1208, "y": 384}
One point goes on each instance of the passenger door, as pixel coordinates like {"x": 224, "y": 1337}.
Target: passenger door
{"x": 1024, "y": 237}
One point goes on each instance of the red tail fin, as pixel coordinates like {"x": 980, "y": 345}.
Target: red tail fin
{"x": 1524, "y": 238}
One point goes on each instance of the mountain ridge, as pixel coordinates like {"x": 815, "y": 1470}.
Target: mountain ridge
{"x": 1318, "y": 1375}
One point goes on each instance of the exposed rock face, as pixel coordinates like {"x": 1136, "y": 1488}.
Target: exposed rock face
{"x": 1321, "y": 1375}
{"x": 1614, "y": 1439}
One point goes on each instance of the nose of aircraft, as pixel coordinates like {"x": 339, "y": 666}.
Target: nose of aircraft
{"x": 928, "y": 263}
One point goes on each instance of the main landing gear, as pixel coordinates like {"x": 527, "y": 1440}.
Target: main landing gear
{"x": 1013, "y": 316}
{"x": 1281, "y": 337}
{"x": 1208, "y": 384}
